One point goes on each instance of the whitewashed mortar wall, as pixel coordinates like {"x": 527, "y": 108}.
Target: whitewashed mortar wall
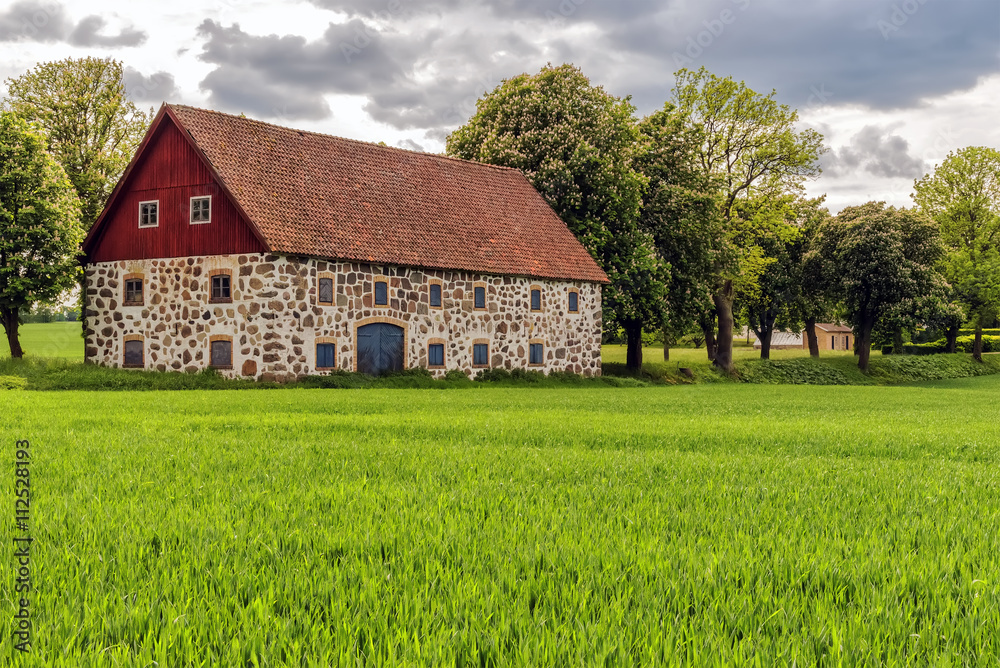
{"x": 274, "y": 318}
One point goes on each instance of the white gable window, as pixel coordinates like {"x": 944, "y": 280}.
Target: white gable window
{"x": 149, "y": 214}
{"x": 201, "y": 210}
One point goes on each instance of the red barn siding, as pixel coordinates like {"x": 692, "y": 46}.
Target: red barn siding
{"x": 172, "y": 172}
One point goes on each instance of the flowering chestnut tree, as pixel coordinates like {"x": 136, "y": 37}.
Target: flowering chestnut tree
{"x": 882, "y": 257}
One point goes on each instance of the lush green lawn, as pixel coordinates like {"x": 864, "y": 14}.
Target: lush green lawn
{"x": 713, "y": 525}
{"x": 51, "y": 339}
{"x": 696, "y": 357}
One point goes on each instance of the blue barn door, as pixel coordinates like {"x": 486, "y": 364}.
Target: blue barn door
{"x": 380, "y": 348}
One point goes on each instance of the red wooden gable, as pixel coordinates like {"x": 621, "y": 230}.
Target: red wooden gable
{"x": 169, "y": 169}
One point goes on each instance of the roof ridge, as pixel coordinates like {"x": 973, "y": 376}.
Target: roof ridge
{"x": 326, "y": 135}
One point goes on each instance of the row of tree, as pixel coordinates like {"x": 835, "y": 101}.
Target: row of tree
{"x": 696, "y": 212}
{"x": 698, "y": 216}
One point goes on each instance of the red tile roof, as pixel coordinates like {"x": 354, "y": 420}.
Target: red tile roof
{"x": 318, "y": 195}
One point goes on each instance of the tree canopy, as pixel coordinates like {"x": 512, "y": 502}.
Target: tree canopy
{"x": 753, "y": 148}
{"x": 963, "y": 197}
{"x": 92, "y": 127}
{"x": 40, "y": 231}
{"x": 577, "y": 146}
{"x": 681, "y": 211}
{"x": 882, "y": 257}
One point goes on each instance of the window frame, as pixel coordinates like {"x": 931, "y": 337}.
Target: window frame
{"x": 475, "y": 297}
{"x": 375, "y": 285}
{"x": 156, "y": 203}
{"x": 444, "y": 354}
{"x": 191, "y": 219}
{"x": 535, "y": 290}
{"x": 130, "y": 278}
{"x": 219, "y": 273}
{"x": 333, "y": 347}
{"x": 569, "y": 301}
{"x": 475, "y": 344}
{"x": 220, "y": 338}
{"x": 430, "y": 295}
{"x": 134, "y": 338}
{"x": 319, "y": 290}
{"x": 531, "y": 349}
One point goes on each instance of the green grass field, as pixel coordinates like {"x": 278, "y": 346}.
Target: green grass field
{"x": 706, "y": 525}
{"x": 51, "y": 339}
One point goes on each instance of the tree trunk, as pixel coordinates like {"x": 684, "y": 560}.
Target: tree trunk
{"x": 666, "y": 346}
{"x": 811, "y": 337}
{"x": 952, "y": 338}
{"x": 897, "y": 342}
{"x": 633, "y": 357}
{"x": 724, "y": 344}
{"x": 766, "y": 333}
{"x": 708, "y": 329}
{"x": 765, "y": 344}
{"x": 10, "y": 325}
{"x": 977, "y": 347}
{"x": 864, "y": 343}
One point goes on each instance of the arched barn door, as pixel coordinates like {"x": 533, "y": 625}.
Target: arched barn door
{"x": 380, "y": 348}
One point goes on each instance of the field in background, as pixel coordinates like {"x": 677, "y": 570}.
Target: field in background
{"x": 50, "y": 339}
{"x": 709, "y": 524}
{"x": 695, "y": 357}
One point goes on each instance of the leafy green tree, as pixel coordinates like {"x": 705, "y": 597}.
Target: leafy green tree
{"x": 681, "y": 211}
{"x": 93, "y": 128}
{"x": 883, "y": 257}
{"x": 963, "y": 196}
{"x": 753, "y": 147}
{"x": 767, "y": 303}
{"x": 40, "y": 231}
{"x": 813, "y": 301}
{"x": 577, "y": 145}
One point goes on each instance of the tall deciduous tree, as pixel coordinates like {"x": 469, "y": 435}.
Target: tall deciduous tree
{"x": 816, "y": 301}
{"x": 577, "y": 144}
{"x": 93, "y": 128}
{"x": 767, "y": 300}
{"x": 681, "y": 211}
{"x": 40, "y": 231}
{"x": 883, "y": 257}
{"x": 963, "y": 196}
{"x": 752, "y": 145}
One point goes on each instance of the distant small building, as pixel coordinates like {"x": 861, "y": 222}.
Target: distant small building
{"x": 784, "y": 341}
{"x": 828, "y": 336}
{"x": 832, "y": 337}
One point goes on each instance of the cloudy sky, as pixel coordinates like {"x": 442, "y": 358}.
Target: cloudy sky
{"x": 892, "y": 84}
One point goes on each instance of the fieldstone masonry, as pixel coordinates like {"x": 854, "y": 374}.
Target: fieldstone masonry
{"x": 275, "y": 318}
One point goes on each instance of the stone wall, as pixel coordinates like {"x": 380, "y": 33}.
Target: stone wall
{"x": 275, "y": 318}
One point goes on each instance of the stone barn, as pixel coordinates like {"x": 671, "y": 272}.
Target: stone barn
{"x": 260, "y": 250}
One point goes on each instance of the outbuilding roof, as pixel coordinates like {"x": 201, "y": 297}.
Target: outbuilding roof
{"x": 324, "y": 196}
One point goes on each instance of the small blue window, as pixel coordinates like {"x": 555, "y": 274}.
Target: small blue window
{"x": 435, "y": 295}
{"x": 381, "y": 293}
{"x": 480, "y": 297}
{"x": 480, "y": 354}
{"x": 435, "y": 354}
{"x": 326, "y": 356}
{"x": 536, "y": 354}
{"x": 536, "y": 300}
{"x": 574, "y": 302}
